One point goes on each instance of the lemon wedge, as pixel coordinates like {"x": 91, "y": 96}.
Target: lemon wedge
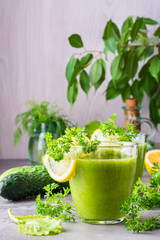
{"x": 103, "y": 139}
{"x": 151, "y": 157}
{"x": 60, "y": 171}
{"x": 43, "y": 158}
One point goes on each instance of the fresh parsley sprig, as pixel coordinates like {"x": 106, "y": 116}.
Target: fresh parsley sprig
{"x": 73, "y": 137}
{"x": 55, "y": 204}
{"x": 109, "y": 127}
{"x": 144, "y": 197}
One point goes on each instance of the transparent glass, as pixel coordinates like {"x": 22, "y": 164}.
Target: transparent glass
{"x": 138, "y": 121}
{"x": 141, "y": 140}
{"x": 37, "y": 145}
{"x": 103, "y": 181}
{"x": 37, "y": 142}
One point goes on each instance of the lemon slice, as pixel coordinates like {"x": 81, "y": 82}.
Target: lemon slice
{"x": 151, "y": 157}
{"x": 60, "y": 171}
{"x": 43, "y": 158}
{"x": 97, "y": 134}
{"x": 103, "y": 139}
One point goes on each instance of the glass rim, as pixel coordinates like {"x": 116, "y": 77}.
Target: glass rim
{"x": 142, "y": 137}
{"x": 113, "y": 145}
{"x": 141, "y": 133}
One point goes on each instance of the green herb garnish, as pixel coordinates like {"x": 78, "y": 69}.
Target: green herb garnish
{"x": 144, "y": 197}
{"x": 55, "y": 204}
{"x": 112, "y": 129}
{"x": 73, "y": 137}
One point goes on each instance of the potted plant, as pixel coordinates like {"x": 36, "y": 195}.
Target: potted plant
{"x": 39, "y": 119}
{"x": 134, "y": 68}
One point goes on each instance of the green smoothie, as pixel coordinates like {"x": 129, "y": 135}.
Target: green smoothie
{"x": 101, "y": 183}
{"x": 140, "y": 160}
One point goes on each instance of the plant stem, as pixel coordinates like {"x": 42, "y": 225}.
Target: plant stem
{"x": 144, "y": 45}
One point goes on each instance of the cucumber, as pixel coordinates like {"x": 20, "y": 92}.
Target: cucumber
{"x": 24, "y": 182}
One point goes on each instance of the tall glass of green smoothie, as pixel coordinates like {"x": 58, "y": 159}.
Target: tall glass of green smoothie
{"x": 102, "y": 181}
{"x": 141, "y": 141}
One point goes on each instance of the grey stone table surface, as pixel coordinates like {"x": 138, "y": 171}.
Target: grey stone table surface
{"x": 70, "y": 231}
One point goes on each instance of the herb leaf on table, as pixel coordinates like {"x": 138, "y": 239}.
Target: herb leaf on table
{"x": 55, "y": 204}
{"x": 144, "y": 197}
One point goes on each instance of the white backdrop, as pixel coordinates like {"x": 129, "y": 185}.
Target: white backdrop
{"x": 34, "y": 51}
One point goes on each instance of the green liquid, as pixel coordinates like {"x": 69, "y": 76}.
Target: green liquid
{"x": 140, "y": 160}
{"x": 100, "y": 186}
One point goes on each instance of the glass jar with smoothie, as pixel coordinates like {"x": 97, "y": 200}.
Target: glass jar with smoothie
{"x": 102, "y": 181}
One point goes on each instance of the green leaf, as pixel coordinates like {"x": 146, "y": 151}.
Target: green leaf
{"x": 95, "y": 72}
{"x": 149, "y": 21}
{"x": 154, "y": 68}
{"x": 103, "y": 63}
{"x": 154, "y": 40}
{"x": 36, "y": 225}
{"x": 144, "y": 70}
{"x": 84, "y": 81}
{"x": 124, "y": 40}
{"x": 157, "y": 32}
{"x": 140, "y": 52}
{"x": 137, "y": 91}
{"x": 117, "y": 67}
{"x": 126, "y": 91}
{"x": 148, "y": 52}
{"x": 72, "y": 92}
{"x": 107, "y": 30}
{"x": 85, "y": 61}
{"x": 75, "y": 41}
{"x": 131, "y": 63}
{"x": 111, "y": 91}
{"x": 110, "y": 44}
{"x": 102, "y": 78}
{"x": 150, "y": 145}
{"x": 72, "y": 69}
{"x": 136, "y": 27}
{"x": 17, "y": 136}
{"x": 18, "y": 118}
{"x": 111, "y": 30}
{"x": 91, "y": 127}
{"x": 144, "y": 52}
{"x": 156, "y": 98}
{"x": 128, "y": 23}
{"x": 154, "y": 112}
{"x": 149, "y": 85}
{"x": 105, "y": 51}
{"x": 122, "y": 81}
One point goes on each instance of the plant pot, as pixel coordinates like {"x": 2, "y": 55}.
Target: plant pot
{"x": 37, "y": 142}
